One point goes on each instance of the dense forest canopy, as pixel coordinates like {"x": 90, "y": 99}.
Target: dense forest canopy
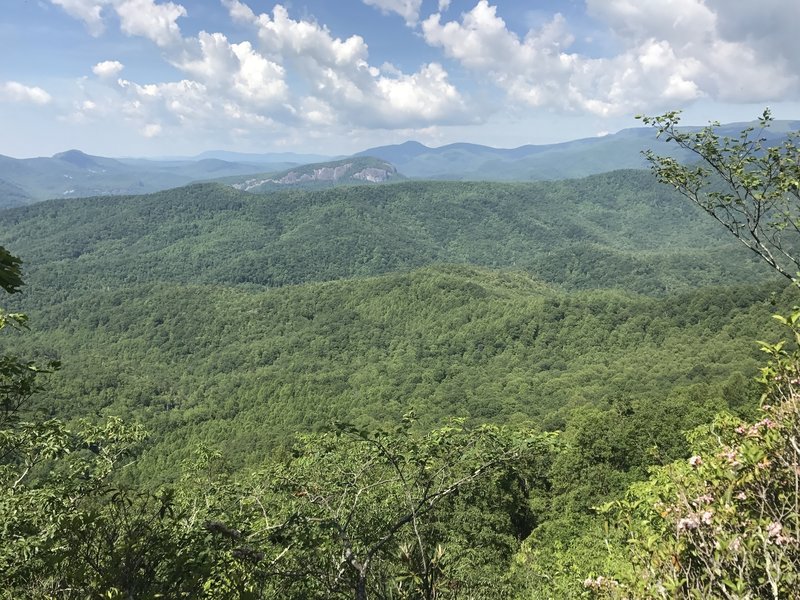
{"x": 416, "y": 390}
{"x": 620, "y": 230}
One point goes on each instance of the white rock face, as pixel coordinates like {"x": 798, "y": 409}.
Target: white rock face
{"x": 372, "y": 174}
{"x": 334, "y": 174}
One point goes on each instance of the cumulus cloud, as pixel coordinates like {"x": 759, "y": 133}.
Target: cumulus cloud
{"x": 672, "y": 52}
{"x": 13, "y": 91}
{"x": 146, "y": 18}
{"x": 740, "y": 51}
{"x": 88, "y": 11}
{"x": 534, "y": 70}
{"x": 293, "y": 74}
{"x": 189, "y": 106}
{"x": 108, "y": 68}
{"x": 234, "y": 68}
{"x": 179, "y": 102}
{"x": 246, "y": 84}
{"x": 157, "y": 22}
{"x": 341, "y": 81}
{"x": 426, "y": 95}
{"x": 408, "y": 9}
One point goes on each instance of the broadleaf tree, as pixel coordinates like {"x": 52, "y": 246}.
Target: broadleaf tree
{"x": 749, "y": 183}
{"x": 369, "y": 514}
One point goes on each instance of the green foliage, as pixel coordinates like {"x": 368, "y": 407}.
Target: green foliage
{"x": 245, "y": 370}
{"x": 726, "y": 522}
{"x": 48, "y": 473}
{"x": 174, "y": 311}
{"x": 617, "y": 230}
{"x": 371, "y": 513}
{"x": 10, "y": 272}
{"x": 752, "y": 188}
{"x": 358, "y": 511}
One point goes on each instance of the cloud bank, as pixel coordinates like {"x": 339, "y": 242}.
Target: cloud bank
{"x": 292, "y": 73}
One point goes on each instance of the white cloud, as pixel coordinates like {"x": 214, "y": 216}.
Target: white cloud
{"x": 672, "y": 52}
{"x": 108, "y": 68}
{"x": 317, "y": 112}
{"x": 247, "y": 84}
{"x": 13, "y": 91}
{"x": 307, "y": 40}
{"x": 444, "y": 5}
{"x": 742, "y": 51}
{"x": 146, "y": 18}
{"x": 341, "y": 82}
{"x": 425, "y": 95}
{"x": 88, "y": 11}
{"x": 295, "y": 74}
{"x": 157, "y": 22}
{"x": 179, "y": 102}
{"x": 151, "y": 130}
{"x": 678, "y": 21}
{"x": 408, "y": 9}
{"x": 258, "y": 78}
{"x": 235, "y": 68}
{"x": 189, "y": 107}
{"x": 534, "y": 70}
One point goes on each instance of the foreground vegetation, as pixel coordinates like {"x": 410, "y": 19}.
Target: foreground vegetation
{"x": 448, "y": 432}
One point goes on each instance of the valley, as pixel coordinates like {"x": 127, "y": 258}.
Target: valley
{"x": 257, "y": 334}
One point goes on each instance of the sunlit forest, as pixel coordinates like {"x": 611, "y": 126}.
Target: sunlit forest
{"x": 419, "y": 389}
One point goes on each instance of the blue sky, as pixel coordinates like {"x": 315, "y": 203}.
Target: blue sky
{"x": 156, "y": 78}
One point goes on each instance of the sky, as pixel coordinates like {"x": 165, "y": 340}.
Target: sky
{"x": 179, "y": 77}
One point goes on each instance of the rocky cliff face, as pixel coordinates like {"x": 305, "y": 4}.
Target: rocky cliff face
{"x": 374, "y": 175}
{"x": 336, "y": 173}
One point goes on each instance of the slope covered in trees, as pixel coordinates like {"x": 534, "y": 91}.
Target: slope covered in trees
{"x": 225, "y": 379}
{"x": 244, "y": 369}
{"x": 250, "y": 485}
{"x": 615, "y": 230}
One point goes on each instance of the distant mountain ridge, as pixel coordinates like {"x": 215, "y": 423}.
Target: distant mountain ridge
{"x": 74, "y": 173}
{"x": 265, "y": 157}
{"x": 622, "y": 229}
{"x": 571, "y": 159}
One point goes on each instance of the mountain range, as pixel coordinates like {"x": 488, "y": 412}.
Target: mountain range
{"x": 73, "y": 173}
{"x": 260, "y": 325}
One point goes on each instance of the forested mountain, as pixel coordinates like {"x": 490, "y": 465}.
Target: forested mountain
{"x": 244, "y": 369}
{"x": 577, "y": 158}
{"x": 447, "y": 377}
{"x": 616, "y": 230}
{"x": 73, "y": 174}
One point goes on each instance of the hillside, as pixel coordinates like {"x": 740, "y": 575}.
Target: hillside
{"x": 163, "y": 301}
{"x": 246, "y": 368}
{"x": 239, "y": 328}
{"x": 615, "y": 230}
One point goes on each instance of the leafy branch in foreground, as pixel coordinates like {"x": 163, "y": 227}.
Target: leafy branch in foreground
{"x": 750, "y": 186}
{"x": 369, "y": 516}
